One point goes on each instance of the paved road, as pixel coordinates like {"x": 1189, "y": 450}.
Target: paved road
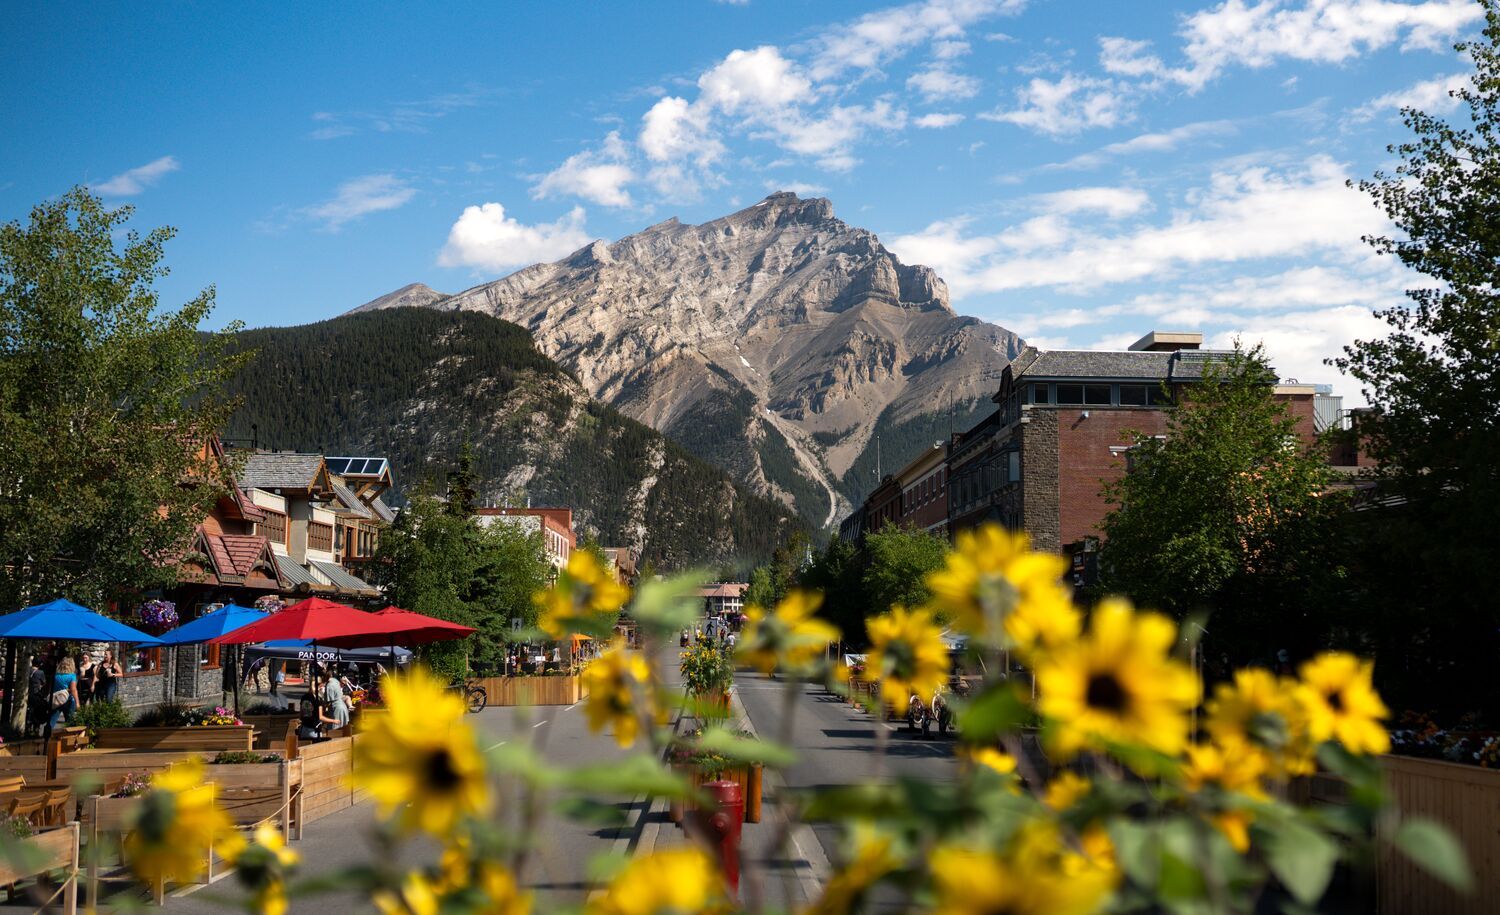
{"x": 836, "y": 743}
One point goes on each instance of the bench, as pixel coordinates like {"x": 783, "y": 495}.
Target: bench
{"x": 205, "y": 738}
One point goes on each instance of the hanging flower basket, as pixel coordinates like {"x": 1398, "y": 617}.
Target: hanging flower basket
{"x": 157, "y": 614}
{"x": 269, "y": 603}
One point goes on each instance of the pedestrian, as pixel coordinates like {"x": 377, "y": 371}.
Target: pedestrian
{"x": 36, "y": 695}
{"x": 107, "y": 674}
{"x": 64, "y": 698}
{"x": 333, "y": 711}
{"x": 309, "y": 721}
{"x": 87, "y": 671}
{"x": 278, "y": 676}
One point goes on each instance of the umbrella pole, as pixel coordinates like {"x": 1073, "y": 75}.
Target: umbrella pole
{"x": 236, "y": 683}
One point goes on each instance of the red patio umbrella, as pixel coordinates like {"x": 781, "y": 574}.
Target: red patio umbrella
{"x": 315, "y": 618}
{"x": 394, "y": 626}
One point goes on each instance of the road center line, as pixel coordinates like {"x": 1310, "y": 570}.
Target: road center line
{"x": 496, "y": 746}
{"x": 539, "y": 724}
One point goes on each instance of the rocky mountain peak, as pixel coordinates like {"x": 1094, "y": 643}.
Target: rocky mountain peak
{"x": 412, "y": 295}
{"x": 771, "y": 340}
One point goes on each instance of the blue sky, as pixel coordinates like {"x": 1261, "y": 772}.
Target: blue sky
{"x": 1080, "y": 172}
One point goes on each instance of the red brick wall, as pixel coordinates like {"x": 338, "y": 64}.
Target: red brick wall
{"x": 1085, "y": 462}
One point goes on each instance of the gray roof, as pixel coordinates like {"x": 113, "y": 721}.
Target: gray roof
{"x": 294, "y": 574}
{"x": 382, "y": 511}
{"x": 1118, "y": 364}
{"x": 341, "y": 578}
{"x": 349, "y": 500}
{"x": 271, "y": 470}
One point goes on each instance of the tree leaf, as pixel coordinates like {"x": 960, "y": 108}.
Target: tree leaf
{"x": 638, "y": 774}
{"x": 1436, "y": 851}
{"x": 667, "y": 604}
{"x": 998, "y": 710}
{"x": 1301, "y": 857}
{"x": 745, "y": 749}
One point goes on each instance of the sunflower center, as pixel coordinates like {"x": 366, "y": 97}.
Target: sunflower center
{"x": 441, "y": 773}
{"x": 1336, "y": 700}
{"x": 1105, "y": 692}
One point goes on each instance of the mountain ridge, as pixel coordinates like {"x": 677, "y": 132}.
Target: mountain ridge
{"x": 790, "y": 333}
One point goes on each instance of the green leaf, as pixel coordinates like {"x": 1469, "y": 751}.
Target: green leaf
{"x": 638, "y": 774}
{"x": 1138, "y": 849}
{"x": 745, "y": 749}
{"x": 1436, "y": 851}
{"x": 1301, "y": 857}
{"x": 998, "y": 710}
{"x": 668, "y": 604}
{"x": 590, "y": 811}
{"x": 847, "y": 802}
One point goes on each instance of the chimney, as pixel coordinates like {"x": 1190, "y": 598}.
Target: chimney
{"x": 1166, "y": 341}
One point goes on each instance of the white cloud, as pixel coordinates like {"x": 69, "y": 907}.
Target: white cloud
{"x": 938, "y": 120}
{"x": 754, "y": 82}
{"x": 1067, "y": 105}
{"x": 1297, "y": 342}
{"x": 950, "y": 49}
{"x": 1430, "y": 96}
{"x": 877, "y": 38}
{"x": 1163, "y": 141}
{"x": 800, "y": 188}
{"x": 1114, "y": 202}
{"x": 674, "y": 129}
{"x": 486, "y": 239}
{"x": 940, "y": 83}
{"x": 1258, "y": 34}
{"x": 828, "y": 136}
{"x": 1125, "y": 57}
{"x": 600, "y": 176}
{"x": 1245, "y": 215}
{"x": 139, "y": 178}
{"x": 360, "y": 196}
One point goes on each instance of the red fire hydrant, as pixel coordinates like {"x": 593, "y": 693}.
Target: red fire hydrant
{"x": 721, "y": 825}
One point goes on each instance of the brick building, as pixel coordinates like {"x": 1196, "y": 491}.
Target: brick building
{"x": 555, "y": 525}
{"x": 1064, "y": 427}
{"x": 924, "y": 491}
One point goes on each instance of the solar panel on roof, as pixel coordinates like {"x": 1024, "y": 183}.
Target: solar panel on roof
{"x": 339, "y": 465}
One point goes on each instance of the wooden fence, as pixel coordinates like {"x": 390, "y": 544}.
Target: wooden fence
{"x": 1465, "y": 799}
{"x": 532, "y": 690}
{"x": 326, "y": 768}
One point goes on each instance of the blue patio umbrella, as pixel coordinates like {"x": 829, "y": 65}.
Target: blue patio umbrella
{"x": 63, "y": 619}
{"x": 212, "y": 625}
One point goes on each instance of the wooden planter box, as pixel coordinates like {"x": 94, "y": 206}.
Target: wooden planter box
{"x": 532, "y": 690}
{"x": 1465, "y": 799}
{"x": 213, "y": 737}
{"x": 54, "y": 849}
{"x": 270, "y": 730}
{"x": 748, "y": 778}
{"x": 326, "y": 769}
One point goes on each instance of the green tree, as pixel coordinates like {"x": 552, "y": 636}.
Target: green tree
{"x": 438, "y": 563}
{"x": 1434, "y": 389}
{"x": 1230, "y": 511}
{"x": 762, "y": 591}
{"x": 838, "y": 572}
{"x": 462, "y": 494}
{"x": 107, "y": 399}
{"x": 898, "y": 562}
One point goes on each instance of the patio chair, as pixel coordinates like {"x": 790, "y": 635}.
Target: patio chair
{"x": 10, "y": 783}
{"x": 30, "y": 805}
{"x": 56, "y": 811}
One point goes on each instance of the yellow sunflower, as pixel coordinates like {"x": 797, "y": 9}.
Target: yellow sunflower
{"x": 612, "y": 681}
{"x": 585, "y": 595}
{"x": 1118, "y": 684}
{"x": 1260, "y": 713}
{"x": 417, "y": 896}
{"x": 1239, "y": 769}
{"x": 262, "y": 867}
{"x": 990, "y": 758}
{"x": 421, "y": 757}
{"x": 1341, "y": 703}
{"x": 872, "y": 859}
{"x": 1037, "y": 877}
{"x": 1066, "y": 789}
{"x": 907, "y": 654}
{"x": 790, "y": 638}
{"x": 176, "y": 825}
{"x": 683, "y": 879}
{"x": 992, "y": 577}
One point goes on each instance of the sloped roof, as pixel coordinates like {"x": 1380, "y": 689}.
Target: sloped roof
{"x": 342, "y": 579}
{"x": 281, "y": 470}
{"x": 382, "y": 511}
{"x": 235, "y": 554}
{"x": 1175, "y": 365}
{"x": 296, "y": 577}
{"x": 348, "y": 501}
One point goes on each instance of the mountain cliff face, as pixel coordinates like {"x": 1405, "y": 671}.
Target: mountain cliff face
{"x": 772, "y": 342}
{"x": 413, "y": 384}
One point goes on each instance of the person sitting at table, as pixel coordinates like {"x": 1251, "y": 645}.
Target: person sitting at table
{"x": 310, "y": 719}
{"x": 333, "y": 711}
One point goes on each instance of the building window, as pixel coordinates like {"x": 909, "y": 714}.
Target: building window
{"x": 142, "y": 660}
{"x": 320, "y": 536}
{"x": 1096, "y": 395}
{"x": 274, "y": 527}
{"x": 1013, "y": 466}
{"x": 1133, "y": 395}
{"x": 210, "y": 656}
{"x": 1040, "y": 394}
{"x": 1070, "y": 394}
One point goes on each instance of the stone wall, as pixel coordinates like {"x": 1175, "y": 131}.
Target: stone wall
{"x": 1039, "y": 479}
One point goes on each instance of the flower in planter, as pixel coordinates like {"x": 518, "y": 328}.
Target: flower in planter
{"x": 133, "y": 784}
{"x": 177, "y": 820}
{"x": 158, "y": 614}
{"x": 421, "y": 757}
{"x": 1341, "y": 703}
{"x": 16, "y": 827}
{"x": 789, "y": 637}
{"x": 993, "y": 578}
